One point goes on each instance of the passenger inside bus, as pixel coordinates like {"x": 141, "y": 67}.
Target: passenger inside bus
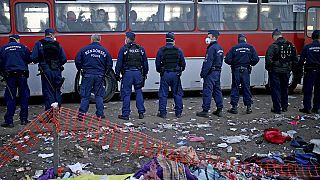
{"x": 100, "y": 20}
{"x": 72, "y": 22}
{"x": 4, "y": 23}
{"x": 61, "y": 20}
{"x": 265, "y": 21}
{"x": 133, "y": 20}
{"x": 25, "y": 25}
{"x": 190, "y": 20}
{"x": 230, "y": 19}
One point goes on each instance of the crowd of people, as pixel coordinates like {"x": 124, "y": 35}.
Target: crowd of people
{"x": 95, "y": 62}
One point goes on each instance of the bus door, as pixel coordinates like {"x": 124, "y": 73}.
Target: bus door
{"x": 312, "y": 18}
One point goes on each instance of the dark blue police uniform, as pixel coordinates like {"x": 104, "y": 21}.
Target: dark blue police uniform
{"x": 210, "y": 72}
{"x": 51, "y": 58}
{"x": 241, "y": 57}
{"x": 280, "y": 58}
{"x": 94, "y": 61}
{"x": 310, "y": 59}
{"x": 132, "y": 63}
{"x": 170, "y": 63}
{"x": 15, "y": 58}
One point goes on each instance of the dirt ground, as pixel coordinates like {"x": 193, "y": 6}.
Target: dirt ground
{"x": 170, "y": 129}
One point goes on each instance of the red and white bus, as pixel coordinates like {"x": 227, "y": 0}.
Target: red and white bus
{"x": 75, "y": 21}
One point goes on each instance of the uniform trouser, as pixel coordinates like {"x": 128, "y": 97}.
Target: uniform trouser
{"x": 279, "y": 90}
{"x": 243, "y": 79}
{"x": 51, "y": 91}
{"x": 95, "y": 84}
{"x": 172, "y": 80}
{"x": 211, "y": 85}
{"x": 311, "y": 80}
{"x": 130, "y": 78}
{"x": 24, "y": 93}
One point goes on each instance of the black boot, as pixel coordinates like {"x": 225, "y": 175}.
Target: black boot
{"x": 249, "y": 110}
{"x": 203, "y": 114}
{"x": 314, "y": 110}
{"x": 218, "y": 113}
{"x": 305, "y": 111}
{"x": 141, "y": 115}
{"x": 233, "y": 110}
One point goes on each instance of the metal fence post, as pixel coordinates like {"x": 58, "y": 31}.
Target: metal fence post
{"x": 55, "y": 111}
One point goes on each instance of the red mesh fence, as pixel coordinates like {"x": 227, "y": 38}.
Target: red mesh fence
{"x": 125, "y": 139}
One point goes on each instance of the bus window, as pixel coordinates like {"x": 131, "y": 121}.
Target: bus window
{"x": 161, "y": 16}
{"x": 313, "y": 22}
{"x": 4, "y": 16}
{"x": 32, "y": 17}
{"x": 227, "y": 16}
{"x": 90, "y": 17}
{"x": 284, "y": 16}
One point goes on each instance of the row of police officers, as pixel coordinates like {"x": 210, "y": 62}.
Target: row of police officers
{"x": 95, "y": 62}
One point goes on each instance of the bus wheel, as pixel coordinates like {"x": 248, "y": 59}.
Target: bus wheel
{"x": 109, "y": 85}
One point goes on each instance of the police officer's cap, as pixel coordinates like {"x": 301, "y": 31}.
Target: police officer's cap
{"x": 214, "y": 32}
{"x": 316, "y": 34}
{"x": 170, "y": 37}
{"x": 14, "y": 36}
{"x": 276, "y": 32}
{"x": 49, "y": 31}
{"x": 241, "y": 36}
{"x": 130, "y": 34}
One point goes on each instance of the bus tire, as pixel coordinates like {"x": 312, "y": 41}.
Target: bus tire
{"x": 110, "y": 85}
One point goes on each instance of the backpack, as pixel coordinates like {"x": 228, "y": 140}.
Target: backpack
{"x": 286, "y": 52}
{"x": 51, "y": 51}
{"x": 133, "y": 56}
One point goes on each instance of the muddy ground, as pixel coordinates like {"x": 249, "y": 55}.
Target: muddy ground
{"x": 111, "y": 162}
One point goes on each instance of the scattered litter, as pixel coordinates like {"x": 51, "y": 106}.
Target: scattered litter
{"x": 203, "y": 125}
{"x": 128, "y": 124}
{"x": 234, "y": 139}
{"x": 294, "y": 122}
{"x": 105, "y": 147}
{"x": 43, "y": 156}
{"x": 229, "y": 149}
{"x": 233, "y": 129}
{"x": 182, "y": 143}
{"x": 21, "y": 169}
{"x": 194, "y": 138}
{"x": 222, "y": 145}
{"x": 37, "y": 174}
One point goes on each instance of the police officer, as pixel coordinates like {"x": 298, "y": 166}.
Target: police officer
{"x": 241, "y": 57}
{"x": 94, "y": 61}
{"x": 15, "y": 58}
{"x": 170, "y": 63}
{"x": 210, "y": 72}
{"x": 310, "y": 59}
{"x": 51, "y": 58}
{"x": 132, "y": 63}
{"x": 280, "y": 57}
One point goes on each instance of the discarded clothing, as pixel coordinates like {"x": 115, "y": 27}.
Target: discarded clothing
{"x": 165, "y": 169}
{"x": 273, "y": 135}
